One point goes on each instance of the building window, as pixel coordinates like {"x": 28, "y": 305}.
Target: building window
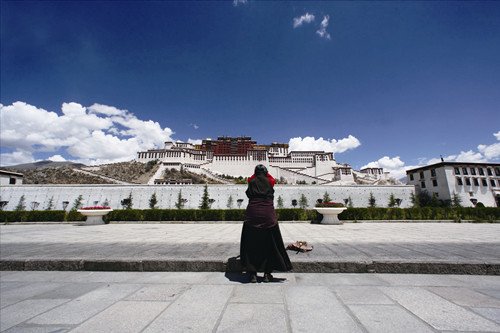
{"x": 411, "y": 176}
{"x": 459, "y": 181}
{"x": 421, "y": 175}
{"x": 457, "y": 171}
{"x": 473, "y": 171}
{"x": 433, "y": 172}
{"x": 476, "y": 182}
{"x": 489, "y": 172}
{"x": 492, "y": 182}
{"x": 467, "y": 181}
{"x": 422, "y": 184}
{"x": 434, "y": 182}
{"x": 497, "y": 171}
{"x": 484, "y": 182}
{"x": 464, "y": 171}
{"x": 481, "y": 171}
{"x": 12, "y": 181}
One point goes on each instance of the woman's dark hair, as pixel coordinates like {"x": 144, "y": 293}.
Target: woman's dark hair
{"x": 260, "y": 169}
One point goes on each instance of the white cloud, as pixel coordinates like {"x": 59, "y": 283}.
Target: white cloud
{"x": 322, "y": 29}
{"x": 16, "y": 157}
{"x": 236, "y": 3}
{"x": 194, "y": 126}
{"x": 97, "y": 133}
{"x": 311, "y": 144}
{"x": 397, "y": 168}
{"x": 57, "y": 158}
{"x": 194, "y": 141}
{"x": 298, "y": 21}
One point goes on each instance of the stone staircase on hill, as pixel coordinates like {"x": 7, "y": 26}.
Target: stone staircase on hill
{"x": 116, "y": 181}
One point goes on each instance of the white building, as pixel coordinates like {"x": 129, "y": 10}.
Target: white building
{"x": 10, "y": 178}
{"x": 473, "y": 182}
{"x": 238, "y": 157}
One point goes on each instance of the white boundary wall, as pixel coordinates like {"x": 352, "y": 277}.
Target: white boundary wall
{"x": 167, "y": 194}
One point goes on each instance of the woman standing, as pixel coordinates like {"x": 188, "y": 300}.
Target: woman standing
{"x": 262, "y": 248}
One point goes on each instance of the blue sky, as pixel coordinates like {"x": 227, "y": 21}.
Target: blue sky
{"x": 408, "y": 81}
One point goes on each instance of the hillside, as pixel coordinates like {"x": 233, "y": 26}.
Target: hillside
{"x": 60, "y": 175}
{"x": 130, "y": 172}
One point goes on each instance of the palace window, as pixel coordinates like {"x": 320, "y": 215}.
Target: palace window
{"x": 421, "y": 175}
{"x": 484, "y": 182}
{"x": 411, "y": 176}
{"x": 457, "y": 171}
{"x": 489, "y": 172}
{"x": 492, "y": 182}
{"x": 434, "y": 182}
{"x": 464, "y": 171}
{"x": 433, "y": 172}
{"x": 473, "y": 171}
{"x": 481, "y": 171}
{"x": 476, "y": 182}
{"x": 422, "y": 184}
{"x": 459, "y": 181}
{"x": 467, "y": 181}
{"x": 12, "y": 181}
{"x": 497, "y": 171}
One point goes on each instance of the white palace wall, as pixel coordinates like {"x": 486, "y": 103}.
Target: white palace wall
{"x": 167, "y": 194}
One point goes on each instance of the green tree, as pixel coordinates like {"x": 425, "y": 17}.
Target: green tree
{"x": 205, "y": 199}
{"x": 414, "y": 200}
{"x": 180, "y": 201}
{"x": 303, "y": 201}
{"x": 230, "y": 202}
{"x": 50, "y": 204}
{"x": 392, "y": 201}
{"x": 77, "y": 204}
{"x": 127, "y": 202}
{"x": 349, "y": 202}
{"x": 371, "y": 201}
{"x": 21, "y": 205}
{"x": 153, "y": 201}
{"x": 326, "y": 197}
{"x": 106, "y": 202}
{"x": 456, "y": 201}
{"x": 280, "y": 202}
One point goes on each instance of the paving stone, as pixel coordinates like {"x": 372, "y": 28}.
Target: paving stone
{"x": 317, "y": 309}
{"x": 329, "y": 279}
{"x": 256, "y": 318}
{"x": 490, "y": 292}
{"x": 196, "y": 310}
{"x": 123, "y": 316}
{"x": 388, "y": 318}
{"x": 22, "y": 311}
{"x": 25, "y": 328}
{"x": 438, "y": 312}
{"x": 172, "y": 277}
{"x": 466, "y": 296}
{"x": 480, "y": 282}
{"x": 86, "y": 306}
{"x": 158, "y": 292}
{"x": 361, "y": 295}
{"x": 69, "y": 291}
{"x": 490, "y": 313}
{"x": 421, "y": 280}
{"x": 257, "y": 293}
{"x": 25, "y": 291}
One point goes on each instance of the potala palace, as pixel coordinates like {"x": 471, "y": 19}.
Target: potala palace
{"x": 238, "y": 156}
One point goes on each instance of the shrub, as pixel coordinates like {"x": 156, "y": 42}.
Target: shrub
{"x": 73, "y": 215}
{"x": 45, "y": 216}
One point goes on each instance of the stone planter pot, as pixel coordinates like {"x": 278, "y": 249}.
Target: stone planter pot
{"x": 330, "y": 214}
{"x": 94, "y": 216}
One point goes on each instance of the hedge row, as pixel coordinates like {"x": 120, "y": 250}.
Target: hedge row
{"x": 295, "y": 214}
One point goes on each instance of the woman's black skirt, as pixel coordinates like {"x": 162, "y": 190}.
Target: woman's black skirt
{"x": 262, "y": 250}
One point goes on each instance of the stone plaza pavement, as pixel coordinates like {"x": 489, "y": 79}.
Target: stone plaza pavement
{"x": 46, "y": 301}
{"x": 179, "y": 278}
{"x": 460, "y": 248}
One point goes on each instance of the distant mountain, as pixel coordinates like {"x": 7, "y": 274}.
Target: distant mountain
{"x": 43, "y": 165}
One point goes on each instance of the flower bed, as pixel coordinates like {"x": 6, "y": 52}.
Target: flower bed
{"x": 95, "y": 208}
{"x": 330, "y": 204}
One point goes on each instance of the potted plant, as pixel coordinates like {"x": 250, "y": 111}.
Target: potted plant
{"x": 330, "y": 211}
{"x": 94, "y": 214}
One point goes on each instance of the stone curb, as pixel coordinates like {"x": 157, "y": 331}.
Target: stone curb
{"x": 233, "y": 265}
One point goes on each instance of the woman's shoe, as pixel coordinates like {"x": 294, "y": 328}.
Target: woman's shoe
{"x": 268, "y": 277}
{"x": 253, "y": 278}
